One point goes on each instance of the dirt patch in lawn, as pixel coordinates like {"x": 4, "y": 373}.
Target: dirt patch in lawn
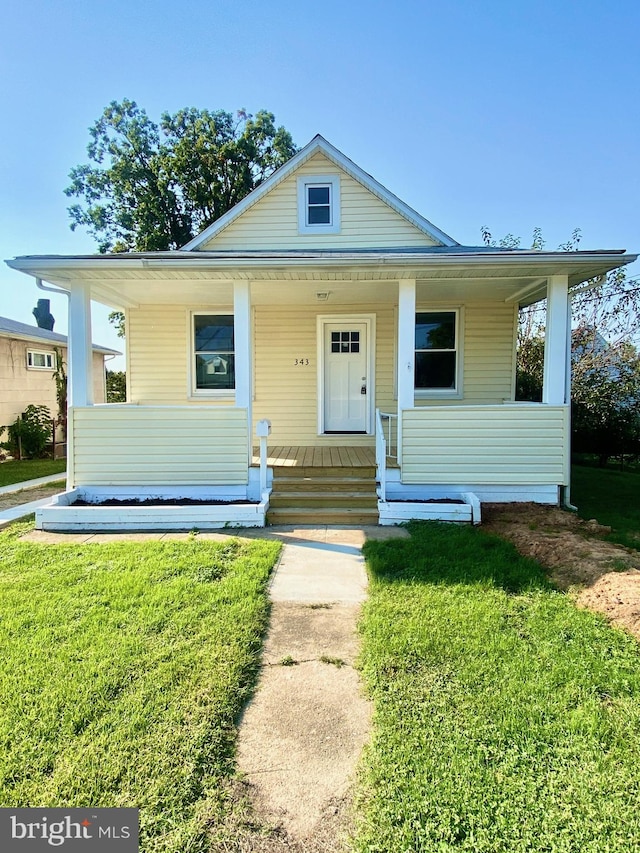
{"x": 602, "y": 576}
{"x": 27, "y": 495}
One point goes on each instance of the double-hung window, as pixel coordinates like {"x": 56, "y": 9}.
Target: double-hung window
{"x": 38, "y": 360}
{"x": 214, "y": 359}
{"x": 437, "y": 352}
{"x": 319, "y": 204}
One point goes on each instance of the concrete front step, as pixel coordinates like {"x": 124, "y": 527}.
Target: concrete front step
{"x": 324, "y": 515}
{"x": 354, "y": 499}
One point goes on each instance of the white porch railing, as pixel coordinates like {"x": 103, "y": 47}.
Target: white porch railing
{"x": 386, "y": 446}
{"x": 119, "y": 445}
{"x": 390, "y": 426}
{"x": 494, "y": 444}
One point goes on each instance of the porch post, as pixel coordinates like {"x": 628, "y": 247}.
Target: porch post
{"x": 556, "y": 347}
{"x": 406, "y": 342}
{"x": 406, "y": 350}
{"x": 79, "y": 347}
{"x": 242, "y": 335}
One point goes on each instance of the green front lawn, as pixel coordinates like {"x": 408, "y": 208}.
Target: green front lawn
{"x": 506, "y": 720}
{"x": 612, "y": 497}
{"x": 30, "y": 469}
{"x": 124, "y": 667}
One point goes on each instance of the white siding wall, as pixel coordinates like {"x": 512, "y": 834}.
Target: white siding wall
{"x": 272, "y": 223}
{"x": 517, "y": 444}
{"x": 140, "y": 446}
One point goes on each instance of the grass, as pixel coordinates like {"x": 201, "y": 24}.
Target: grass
{"x": 124, "y": 668}
{"x": 337, "y": 662}
{"x": 612, "y": 498}
{"x": 29, "y": 469}
{"x": 505, "y": 719}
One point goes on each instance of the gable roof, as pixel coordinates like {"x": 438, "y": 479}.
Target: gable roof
{"x": 319, "y": 144}
{"x": 12, "y": 328}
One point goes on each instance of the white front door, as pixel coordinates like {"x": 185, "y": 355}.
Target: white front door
{"x": 346, "y": 386}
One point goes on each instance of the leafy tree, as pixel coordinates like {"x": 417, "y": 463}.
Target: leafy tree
{"x": 117, "y": 319}
{"x": 605, "y": 391}
{"x": 605, "y": 396}
{"x": 151, "y": 187}
{"x": 116, "y": 386}
{"x": 530, "y": 368}
{"x": 60, "y": 378}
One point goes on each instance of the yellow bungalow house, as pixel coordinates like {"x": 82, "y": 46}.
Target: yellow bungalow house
{"x": 369, "y": 355}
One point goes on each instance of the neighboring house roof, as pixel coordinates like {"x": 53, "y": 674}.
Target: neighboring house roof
{"x": 14, "y": 329}
{"x": 319, "y": 144}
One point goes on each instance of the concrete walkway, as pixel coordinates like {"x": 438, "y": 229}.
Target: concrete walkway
{"x": 11, "y": 513}
{"x": 303, "y": 732}
{"x": 31, "y": 484}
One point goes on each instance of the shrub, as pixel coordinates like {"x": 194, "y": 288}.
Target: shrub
{"x": 30, "y": 433}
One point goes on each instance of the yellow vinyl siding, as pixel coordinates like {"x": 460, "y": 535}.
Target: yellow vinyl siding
{"x": 286, "y": 393}
{"x": 142, "y": 446}
{"x": 157, "y": 355}
{"x": 159, "y": 352}
{"x": 272, "y": 223}
{"x": 507, "y": 445}
{"x": 488, "y": 352}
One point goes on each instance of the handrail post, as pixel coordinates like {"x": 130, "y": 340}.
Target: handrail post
{"x": 263, "y": 430}
{"x": 381, "y": 456}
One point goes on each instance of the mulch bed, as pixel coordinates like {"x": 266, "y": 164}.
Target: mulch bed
{"x": 158, "y": 502}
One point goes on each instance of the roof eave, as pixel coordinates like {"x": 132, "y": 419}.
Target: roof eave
{"x": 35, "y": 264}
{"x": 19, "y": 336}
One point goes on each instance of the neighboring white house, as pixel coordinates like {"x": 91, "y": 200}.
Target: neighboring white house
{"x": 27, "y": 365}
{"x": 325, "y": 305}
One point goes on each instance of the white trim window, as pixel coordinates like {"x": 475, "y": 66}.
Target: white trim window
{"x": 437, "y": 353}
{"x": 41, "y": 360}
{"x": 213, "y": 346}
{"x": 319, "y": 204}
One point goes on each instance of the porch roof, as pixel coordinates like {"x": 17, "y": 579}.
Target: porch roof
{"x": 447, "y": 272}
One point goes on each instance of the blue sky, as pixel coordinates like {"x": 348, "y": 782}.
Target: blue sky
{"x": 504, "y": 114}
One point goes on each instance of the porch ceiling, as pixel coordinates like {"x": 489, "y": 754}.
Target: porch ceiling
{"x": 304, "y": 292}
{"x": 295, "y": 278}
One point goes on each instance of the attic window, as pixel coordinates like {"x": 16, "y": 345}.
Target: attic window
{"x": 319, "y": 204}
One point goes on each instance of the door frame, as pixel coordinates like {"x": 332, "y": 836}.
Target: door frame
{"x": 370, "y": 321}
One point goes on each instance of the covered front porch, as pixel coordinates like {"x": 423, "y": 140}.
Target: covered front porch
{"x": 177, "y": 439}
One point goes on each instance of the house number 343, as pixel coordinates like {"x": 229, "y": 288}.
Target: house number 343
{"x": 301, "y": 362}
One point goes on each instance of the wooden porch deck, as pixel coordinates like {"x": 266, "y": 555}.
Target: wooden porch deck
{"x": 317, "y": 457}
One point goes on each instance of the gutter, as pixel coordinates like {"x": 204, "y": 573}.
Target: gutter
{"x": 33, "y": 264}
